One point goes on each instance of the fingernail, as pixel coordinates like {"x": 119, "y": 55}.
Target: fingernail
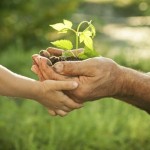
{"x": 58, "y": 67}
{"x": 75, "y": 84}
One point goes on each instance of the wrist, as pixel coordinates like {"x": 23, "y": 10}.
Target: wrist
{"x": 36, "y": 91}
{"x": 118, "y": 81}
{"x": 131, "y": 83}
{"x": 135, "y": 88}
{"x": 126, "y": 82}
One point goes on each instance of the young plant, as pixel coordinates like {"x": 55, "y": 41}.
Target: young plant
{"x": 86, "y": 37}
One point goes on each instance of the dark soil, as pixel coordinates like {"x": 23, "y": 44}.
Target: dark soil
{"x": 54, "y": 59}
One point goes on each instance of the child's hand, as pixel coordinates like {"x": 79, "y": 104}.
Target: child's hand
{"x": 51, "y": 96}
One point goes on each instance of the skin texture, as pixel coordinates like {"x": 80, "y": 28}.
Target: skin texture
{"x": 48, "y": 93}
{"x": 97, "y": 78}
{"x": 89, "y": 80}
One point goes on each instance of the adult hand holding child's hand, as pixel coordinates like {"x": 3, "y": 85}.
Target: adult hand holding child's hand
{"x": 96, "y": 76}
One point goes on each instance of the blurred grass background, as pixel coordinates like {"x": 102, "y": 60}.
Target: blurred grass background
{"x": 123, "y": 34}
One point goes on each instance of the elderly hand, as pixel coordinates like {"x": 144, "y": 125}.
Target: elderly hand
{"x": 97, "y": 77}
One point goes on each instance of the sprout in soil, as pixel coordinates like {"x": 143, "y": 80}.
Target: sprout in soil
{"x": 85, "y": 36}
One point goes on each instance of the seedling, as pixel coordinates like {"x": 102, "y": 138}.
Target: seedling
{"x": 86, "y": 37}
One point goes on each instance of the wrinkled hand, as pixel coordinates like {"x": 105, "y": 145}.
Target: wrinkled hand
{"x": 97, "y": 77}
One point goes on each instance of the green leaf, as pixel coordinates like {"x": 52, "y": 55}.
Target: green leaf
{"x": 93, "y": 30}
{"x": 63, "y": 44}
{"x": 87, "y": 53}
{"x": 63, "y": 31}
{"x": 90, "y": 53}
{"x": 67, "y": 54}
{"x": 68, "y": 24}
{"x": 84, "y": 35}
{"x": 82, "y": 56}
{"x": 58, "y": 26}
{"x": 88, "y": 42}
{"x": 81, "y": 37}
{"x": 87, "y": 33}
{"x": 62, "y": 27}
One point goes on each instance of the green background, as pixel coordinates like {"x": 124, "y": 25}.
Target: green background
{"x": 123, "y": 34}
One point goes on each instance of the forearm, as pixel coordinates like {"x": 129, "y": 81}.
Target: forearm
{"x": 15, "y": 85}
{"x": 135, "y": 89}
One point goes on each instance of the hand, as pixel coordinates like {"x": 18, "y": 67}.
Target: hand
{"x": 51, "y": 96}
{"x": 48, "y": 93}
{"x": 97, "y": 77}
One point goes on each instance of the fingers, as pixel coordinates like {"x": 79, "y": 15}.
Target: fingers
{"x": 57, "y": 112}
{"x": 63, "y": 85}
{"x": 72, "y": 68}
{"x": 36, "y": 70}
{"x": 34, "y": 58}
{"x": 48, "y": 72}
{"x": 66, "y": 68}
{"x": 61, "y": 113}
{"x": 64, "y": 110}
{"x": 58, "y": 52}
{"x": 52, "y": 112}
{"x": 54, "y": 51}
{"x": 35, "y": 67}
{"x": 67, "y": 109}
{"x": 70, "y": 103}
{"x": 43, "y": 69}
{"x": 73, "y": 105}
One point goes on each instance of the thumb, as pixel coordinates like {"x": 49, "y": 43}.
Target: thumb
{"x": 72, "y": 68}
{"x": 63, "y": 85}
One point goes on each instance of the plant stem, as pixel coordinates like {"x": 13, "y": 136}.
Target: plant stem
{"x": 76, "y": 39}
{"x": 78, "y": 33}
{"x": 73, "y": 54}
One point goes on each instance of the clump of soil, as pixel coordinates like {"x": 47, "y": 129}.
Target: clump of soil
{"x": 54, "y": 59}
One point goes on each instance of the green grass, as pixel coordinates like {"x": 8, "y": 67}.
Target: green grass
{"x": 106, "y": 125}
{"x": 101, "y": 125}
